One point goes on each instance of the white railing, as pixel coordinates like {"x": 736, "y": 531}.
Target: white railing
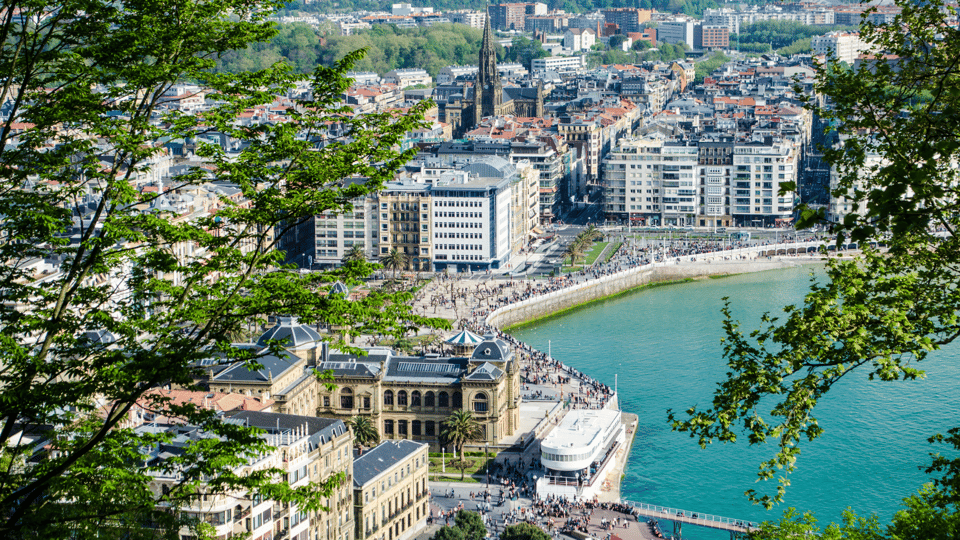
{"x": 696, "y": 518}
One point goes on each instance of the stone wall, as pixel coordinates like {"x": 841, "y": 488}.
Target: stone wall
{"x": 720, "y": 263}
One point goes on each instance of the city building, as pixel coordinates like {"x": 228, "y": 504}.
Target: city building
{"x": 391, "y": 499}
{"x": 306, "y": 450}
{"x": 844, "y": 46}
{"x": 514, "y": 16}
{"x": 677, "y": 31}
{"x": 405, "y": 78}
{"x": 486, "y": 96}
{"x": 579, "y": 39}
{"x": 560, "y": 64}
{"x": 712, "y": 37}
{"x": 409, "y": 397}
{"x": 579, "y": 453}
{"x": 627, "y": 19}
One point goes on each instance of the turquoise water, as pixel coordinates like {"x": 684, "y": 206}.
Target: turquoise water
{"x": 665, "y": 345}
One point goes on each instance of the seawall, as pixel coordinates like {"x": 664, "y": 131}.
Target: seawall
{"x": 710, "y": 264}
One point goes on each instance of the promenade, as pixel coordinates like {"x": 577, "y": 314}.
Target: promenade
{"x": 469, "y": 301}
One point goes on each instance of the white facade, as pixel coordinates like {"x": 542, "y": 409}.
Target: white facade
{"x": 579, "y": 39}
{"x": 580, "y": 439}
{"x": 845, "y": 46}
{"x": 675, "y": 31}
{"x": 405, "y": 78}
{"x": 476, "y": 19}
{"x": 448, "y": 74}
{"x": 560, "y": 64}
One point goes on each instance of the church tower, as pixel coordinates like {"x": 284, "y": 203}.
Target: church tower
{"x": 488, "y": 87}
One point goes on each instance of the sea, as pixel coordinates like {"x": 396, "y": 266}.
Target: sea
{"x": 662, "y": 349}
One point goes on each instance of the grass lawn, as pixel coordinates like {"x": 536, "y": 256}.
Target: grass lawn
{"x": 590, "y": 258}
{"x": 475, "y": 465}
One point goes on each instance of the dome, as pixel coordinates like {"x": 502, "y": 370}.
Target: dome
{"x": 492, "y": 349}
{"x": 293, "y": 334}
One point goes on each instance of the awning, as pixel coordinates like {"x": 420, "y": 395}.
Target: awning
{"x": 465, "y": 338}
{"x": 538, "y": 230}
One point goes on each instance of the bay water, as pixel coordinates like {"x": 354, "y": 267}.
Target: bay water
{"x": 664, "y": 345}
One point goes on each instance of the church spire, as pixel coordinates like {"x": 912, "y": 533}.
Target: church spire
{"x": 488, "y": 76}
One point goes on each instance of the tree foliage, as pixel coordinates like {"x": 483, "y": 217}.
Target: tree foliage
{"x": 775, "y": 34}
{"x": 881, "y": 314}
{"x": 83, "y": 126}
{"x": 388, "y": 47}
{"x": 524, "y": 531}
{"x": 471, "y": 524}
{"x": 708, "y": 66}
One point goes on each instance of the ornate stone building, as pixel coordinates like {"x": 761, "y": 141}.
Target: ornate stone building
{"x": 406, "y": 397}
{"x": 409, "y": 397}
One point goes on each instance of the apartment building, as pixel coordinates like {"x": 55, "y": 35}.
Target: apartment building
{"x": 390, "y": 494}
{"x": 403, "y": 209}
{"x": 306, "y": 449}
{"x": 760, "y": 168}
{"x": 844, "y": 46}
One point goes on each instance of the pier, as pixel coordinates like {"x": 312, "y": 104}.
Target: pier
{"x": 736, "y": 527}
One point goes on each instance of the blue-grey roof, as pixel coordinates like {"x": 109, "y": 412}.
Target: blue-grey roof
{"x": 420, "y": 369}
{"x": 293, "y": 334}
{"x": 493, "y": 349}
{"x": 272, "y": 366}
{"x": 485, "y": 372}
{"x": 320, "y": 430}
{"x": 350, "y": 368}
{"x": 99, "y": 337}
{"x": 376, "y": 461}
{"x": 339, "y": 288}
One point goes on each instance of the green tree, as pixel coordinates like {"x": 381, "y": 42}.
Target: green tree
{"x": 395, "y": 260}
{"x": 576, "y": 250}
{"x": 523, "y": 531}
{"x": 354, "y": 254}
{"x": 83, "y": 88}
{"x": 459, "y": 429}
{"x": 471, "y": 524}
{"x": 878, "y": 315}
{"x": 449, "y": 533}
{"x": 617, "y": 40}
{"x": 364, "y": 432}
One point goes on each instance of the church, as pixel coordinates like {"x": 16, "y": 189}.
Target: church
{"x": 485, "y": 95}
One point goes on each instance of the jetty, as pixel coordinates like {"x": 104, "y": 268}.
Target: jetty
{"x": 736, "y": 527}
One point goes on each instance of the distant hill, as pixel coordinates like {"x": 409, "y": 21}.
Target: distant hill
{"x": 690, "y": 7}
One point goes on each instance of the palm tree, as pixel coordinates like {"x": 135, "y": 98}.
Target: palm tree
{"x": 354, "y": 254}
{"x": 592, "y": 233}
{"x": 364, "y": 432}
{"x": 459, "y": 429}
{"x": 395, "y": 260}
{"x": 576, "y": 250}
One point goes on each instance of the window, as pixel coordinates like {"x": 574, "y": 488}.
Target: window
{"x": 346, "y": 398}
{"x": 402, "y": 398}
{"x": 415, "y": 400}
{"x": 480, "y": 402}
{"x": 416, "y": 427}
{"x": 326, "y": 401}
{"x": 388, "y": 397}
{"x": 431, "y": 428}
{"x": 443, "y": 399}
{"x": 402, "y": 428}
{"x": 428, "y": 400}
{"x": 457, "y": 400}
{"x": 388, "y": 427}
{"x": 366, "y": 402}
